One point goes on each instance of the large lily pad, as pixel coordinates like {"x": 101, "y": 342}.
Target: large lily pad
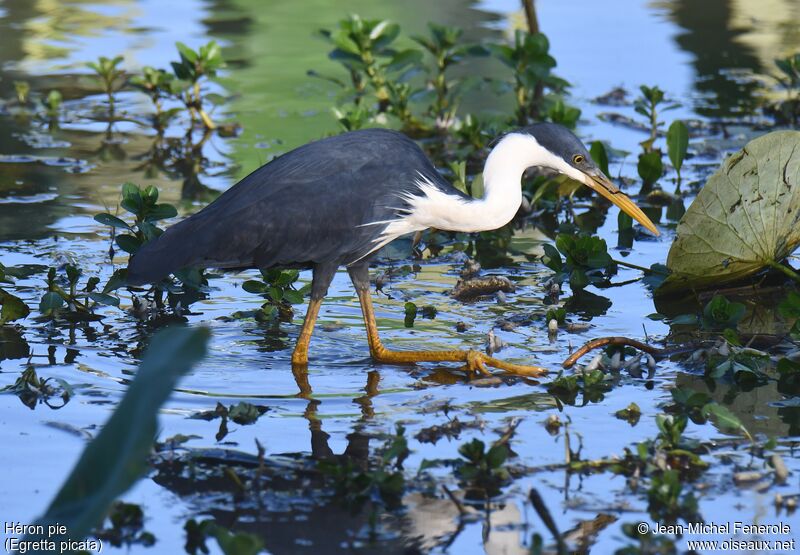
{"x": 744, "y": 219}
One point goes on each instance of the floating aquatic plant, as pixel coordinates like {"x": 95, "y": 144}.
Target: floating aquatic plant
{"x": 745, "y": 219}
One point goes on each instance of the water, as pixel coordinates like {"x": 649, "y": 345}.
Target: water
{"x": 53, "y": 182}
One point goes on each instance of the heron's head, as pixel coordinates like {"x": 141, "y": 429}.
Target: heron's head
{"x": 556, "y": 147}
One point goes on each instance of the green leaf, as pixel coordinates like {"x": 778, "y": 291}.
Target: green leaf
{"x": 598, "y": 153}
{"x": 496, "y": 456}
{"x": 244, "y": 413}
{"x": 13, "y": 308}
{"x": 51, "y": 301}
{"x": 504, "y": 53}
{"x": 73, "y": 274}
{"x": 677, "y": 143}
{"x": 275, "y": 293}
{"x": 118, "y": 279}
{"x": 186, "y": 52}
{"x": 150, "y": 195}
{"x": 238, "y": 543}
{"x": 287, "y": 277}
{"x": 254, "y": 286}
{"x": 403, "y": 59}
{"x": 128, "y": 243}
{"x": 724, "y": 419}
{"x": 292, "y": 297}
{"x": 113, "y": 221}
{"x": 411, "y": 314}
{"x": 552, "y": 258}
{"x": 650, "y": 167}
{"x": 105, "y": 299}
{"x": 472, "y": 451}
{"x": 746, "y": 218}
{"x": 98, "y": 479}
{"x": 132, "y": 200}
{"x": 578, "y": 280}
{"x": 720, "y": 313}
{"x": 161, "y": 212}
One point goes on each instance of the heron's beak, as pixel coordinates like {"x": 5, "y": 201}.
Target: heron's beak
{"x": 603, "y": 185}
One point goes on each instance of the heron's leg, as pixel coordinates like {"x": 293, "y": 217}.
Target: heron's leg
{"x": 300, "y": 354}
{"x": 475, "y": 361}
{"x": 322, "y": 277}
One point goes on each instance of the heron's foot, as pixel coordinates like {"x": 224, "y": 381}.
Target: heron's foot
{"x": 475, "y": 362}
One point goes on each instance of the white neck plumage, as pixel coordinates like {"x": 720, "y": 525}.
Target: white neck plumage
{"x": 502, "y": 176}
{"x": 502, "y": 184}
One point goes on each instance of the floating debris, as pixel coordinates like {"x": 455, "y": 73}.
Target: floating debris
{"x": 553, "y": 424}
{"x": 781, "y": 472}
{"x": 494, "y": 344}
{"x": 471, "y": 269}
{"x": 471, "y": 289}
{"x": 615, "y": 97}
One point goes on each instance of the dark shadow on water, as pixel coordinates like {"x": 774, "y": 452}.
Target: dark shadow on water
{"x": 720, "y": 57}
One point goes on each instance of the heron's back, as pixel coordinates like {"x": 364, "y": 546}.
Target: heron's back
{"x": 312, "y": 205}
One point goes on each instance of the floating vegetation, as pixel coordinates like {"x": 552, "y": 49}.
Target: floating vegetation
{"x": 744, "y": 220}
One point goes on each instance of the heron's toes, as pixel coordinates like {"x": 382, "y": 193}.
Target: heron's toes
{"x": 476, "y": 363}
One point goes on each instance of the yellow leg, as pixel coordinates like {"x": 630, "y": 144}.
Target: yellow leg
{"x": 474, "y": 361}
{"x": 300, "y": 354}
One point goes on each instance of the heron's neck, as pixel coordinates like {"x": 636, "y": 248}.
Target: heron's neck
{"x": 502, "y": 177}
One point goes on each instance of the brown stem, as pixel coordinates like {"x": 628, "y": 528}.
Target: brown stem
{"x": 634, "y": 266}
{"x": 603, "y": 341}
{"x": 462, "y": 511}
{"x": 530, "y": 16}
{"x": 785, "y": 269}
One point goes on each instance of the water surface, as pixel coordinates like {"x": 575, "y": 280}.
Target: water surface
{"x": 53, "y": 181}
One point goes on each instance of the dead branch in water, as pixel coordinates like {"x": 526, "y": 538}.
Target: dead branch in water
{"x": 621, "y": 341}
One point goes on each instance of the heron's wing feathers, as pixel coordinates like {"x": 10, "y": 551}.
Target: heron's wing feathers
{"x": 308, "y": 206}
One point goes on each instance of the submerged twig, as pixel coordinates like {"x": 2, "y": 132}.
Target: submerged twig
{"x": 462, "y": 511}
{"x": 636, "y": 267}
{"x": 547, "y": 518}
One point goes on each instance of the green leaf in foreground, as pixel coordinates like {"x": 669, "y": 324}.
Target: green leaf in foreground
{"x": 11, "y": 308}
{"x": 116, "y": 458}
{"x": 599, "y": 155}
{"x": 725, "y": 420}
{"x": 677, "y": 144}
{"x": 746, "y": 218}
{"x": 650, "y": 167}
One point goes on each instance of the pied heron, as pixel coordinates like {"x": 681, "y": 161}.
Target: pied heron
{"x": 336, "y": 201}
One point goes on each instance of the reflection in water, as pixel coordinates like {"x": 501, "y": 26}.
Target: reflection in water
{"x": 287, "y": 500}
{"x": 763, "y": 410}
{"x": 732, "y": 40}
{"x": 720, "y": 57}
{"x": 35, "y": 32}
{"x": 12, "y": 343}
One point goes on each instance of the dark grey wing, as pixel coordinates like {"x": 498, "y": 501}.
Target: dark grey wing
{"x": 308, "y": 206}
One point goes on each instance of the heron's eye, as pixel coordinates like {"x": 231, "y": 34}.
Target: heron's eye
{"x": 577, "y": 159}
